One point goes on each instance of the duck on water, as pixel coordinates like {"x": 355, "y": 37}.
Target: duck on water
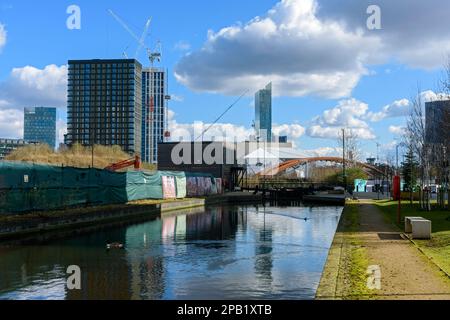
{"x": 114, "y": 245}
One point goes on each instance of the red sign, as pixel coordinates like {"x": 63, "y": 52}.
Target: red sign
{"x": 396, "y": 188}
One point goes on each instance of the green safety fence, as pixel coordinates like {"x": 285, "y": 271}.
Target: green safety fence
{"x": 34, "y": 187}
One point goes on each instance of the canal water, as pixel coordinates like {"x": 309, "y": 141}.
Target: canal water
{"x": 227, "y": 252}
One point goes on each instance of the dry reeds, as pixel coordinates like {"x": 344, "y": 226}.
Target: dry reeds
{"x": 76, "y": 156}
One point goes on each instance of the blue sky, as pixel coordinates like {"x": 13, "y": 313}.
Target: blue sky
{"x": 375, "y": 68}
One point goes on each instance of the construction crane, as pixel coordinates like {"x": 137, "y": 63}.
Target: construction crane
{"x": 153, "y": 56}
{"x": 134, "y": 162}
{"x": 140, "y": 40}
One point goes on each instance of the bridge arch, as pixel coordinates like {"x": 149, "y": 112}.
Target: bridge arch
{"x": 289, "y": 164}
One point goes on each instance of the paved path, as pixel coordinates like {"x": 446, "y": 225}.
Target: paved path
{"x": 405, "y": 272}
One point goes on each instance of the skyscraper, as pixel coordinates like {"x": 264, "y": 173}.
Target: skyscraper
{"x": 154, "y": 112}
{"x": 438, "y": 122}
{"x": 263, "y": 113}
{"x": 105, "y": 103}
{"x": 40, "y": 125}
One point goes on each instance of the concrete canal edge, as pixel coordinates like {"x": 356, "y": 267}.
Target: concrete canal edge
{"x": 35, "y": 224}
{"x": 346, "y": 265}
{"x": 328, "y": 283}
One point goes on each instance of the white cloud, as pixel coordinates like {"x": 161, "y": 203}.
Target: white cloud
{"x": 219, "y": 131}
{"x": 335, "y": 133}
{"x": 222, "y": 131}
{"x": 293, "y": 131}
{"x": 323, "y": 152}
{"x": 402, "y": 108}
{"x": 177, "y": 98}
{"x": 11, "y": 123}
{"x": 399, "y": 108}
{"x": 397, "y": 130}
{"x": 30, "y": 86}
{"x": 290, "y": 46}
{"x": 389, "y": 146}
{"x": 182, "y": 45}
{"x": 317, "y": 47}
{"x": 414, "y": 32}
{"x": 2, "y": 36}
{"x": 61, "y": 130}
{"x": 171, "y": 115}
{"x": 429, "y": 96}
{"x": 347, "y": 114}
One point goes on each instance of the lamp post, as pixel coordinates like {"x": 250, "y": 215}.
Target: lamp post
{"x": 398, "y": 186}
{"x": 344, "y": 168}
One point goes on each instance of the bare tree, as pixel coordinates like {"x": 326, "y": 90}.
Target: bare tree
{"x": 415, "y": 139}
{"x": 352, "y": 147}
{"x": 442, "y": 151}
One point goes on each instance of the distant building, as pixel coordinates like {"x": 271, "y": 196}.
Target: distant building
{"x": 9, "y": 145}
{"x": 105, "y": 103}
{"x": 438, "y": 122}
{"x": 263, "y": 113}
{"x": 196, "y": 156}
{"x": 40, "y": 125}
{"x": 283, "y": 139}
{"x": 154, "y": 112}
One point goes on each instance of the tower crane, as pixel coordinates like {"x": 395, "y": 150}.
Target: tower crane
{"x": 140, "y": 40}
{"x": 153, "y": 56}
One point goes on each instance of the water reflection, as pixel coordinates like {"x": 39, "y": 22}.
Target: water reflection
{"x": 240, "y": 252}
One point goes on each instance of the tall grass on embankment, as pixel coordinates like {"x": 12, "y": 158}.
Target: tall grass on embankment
{"x": 76, "y": 156}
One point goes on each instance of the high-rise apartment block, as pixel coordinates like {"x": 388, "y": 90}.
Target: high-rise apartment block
{"x": 105, "y": 103}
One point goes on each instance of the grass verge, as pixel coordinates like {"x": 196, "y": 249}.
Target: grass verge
{"x": 438, "y": 248}
{"x": 344, "y": 275}
{"x": 354, "y": 260}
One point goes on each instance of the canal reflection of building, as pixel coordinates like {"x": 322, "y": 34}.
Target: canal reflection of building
{"x": 148, "y": 244}
{"x": 217, "y": 223}
{"x": 264, "y": 249}
{"x": 146, "y": 261}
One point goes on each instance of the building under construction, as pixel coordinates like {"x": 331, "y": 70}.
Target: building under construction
{"x": 154, "y": 112}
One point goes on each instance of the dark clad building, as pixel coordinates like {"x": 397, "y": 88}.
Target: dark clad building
{"x": 105, "y": 103}
{"x": 438, "y": 122}
{"x": 200, "y": 157}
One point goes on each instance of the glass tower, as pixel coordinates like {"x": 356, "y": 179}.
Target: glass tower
{"x": 40, "y": 125}
{"x": 263, "y": 113}
{"x": 154, "y": 112}
{"x": 105, "y": 103}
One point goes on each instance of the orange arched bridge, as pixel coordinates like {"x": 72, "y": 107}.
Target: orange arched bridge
{"x": 289, "y": 164}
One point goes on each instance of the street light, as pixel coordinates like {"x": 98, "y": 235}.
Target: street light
{"x": 344, "y": 169}
{"x": 399, "y": 181}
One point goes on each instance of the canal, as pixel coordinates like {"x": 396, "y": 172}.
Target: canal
{"x": 225, "y": 252}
